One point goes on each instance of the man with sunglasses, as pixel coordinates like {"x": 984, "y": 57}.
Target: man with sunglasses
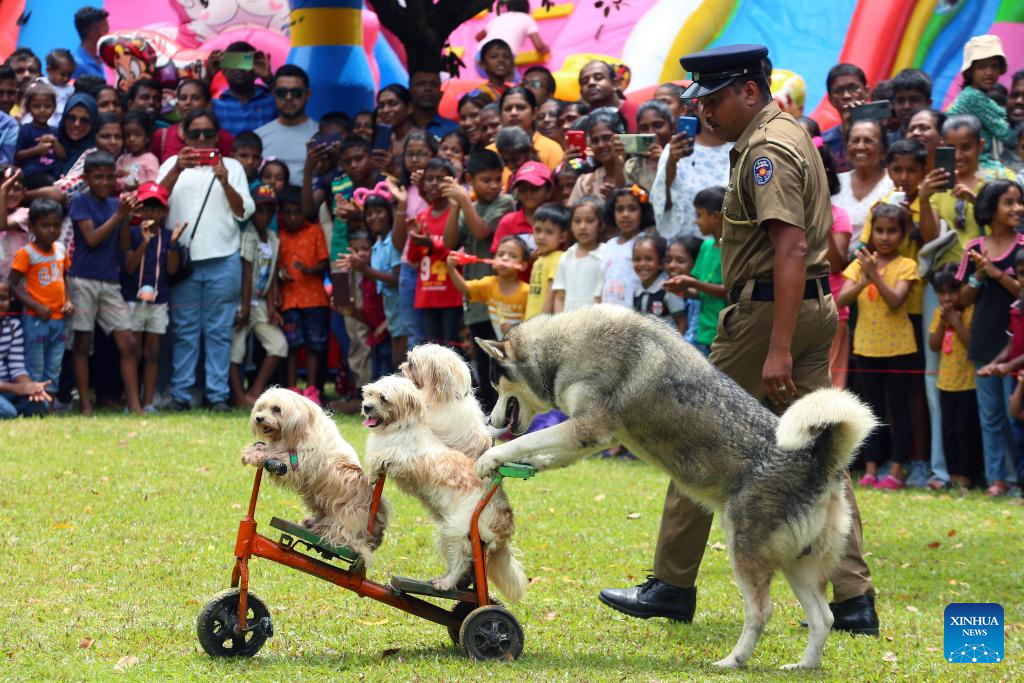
{"x": 286, "y": 136}
{"x": 244, "y": 105}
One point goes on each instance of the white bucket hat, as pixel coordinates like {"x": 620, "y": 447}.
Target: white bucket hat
{"x": 982, "y": 47}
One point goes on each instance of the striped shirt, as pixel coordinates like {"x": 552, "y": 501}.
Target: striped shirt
{"x": 236, "y": 116}
{"x": 12, "y": 349}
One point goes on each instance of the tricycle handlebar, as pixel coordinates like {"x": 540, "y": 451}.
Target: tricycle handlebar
{"x": 275, "y": 466}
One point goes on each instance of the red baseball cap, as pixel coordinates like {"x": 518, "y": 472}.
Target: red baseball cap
{"x": 153, "y": 191}
{"x": 533, "y": 173}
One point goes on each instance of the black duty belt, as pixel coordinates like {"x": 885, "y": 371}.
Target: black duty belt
{"x": 765, "y": 290}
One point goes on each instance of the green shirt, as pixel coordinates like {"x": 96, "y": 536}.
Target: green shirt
{"x": 708, "y": 268}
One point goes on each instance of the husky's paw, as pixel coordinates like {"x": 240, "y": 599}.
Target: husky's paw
{"x": 798, "y": 665}
{"x": 443, "y": 583}
{"x": 729, "y": 662}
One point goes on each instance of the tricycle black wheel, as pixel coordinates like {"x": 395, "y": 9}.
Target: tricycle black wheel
{"x": 491, "y": 632}
{"x": 217, "y": 622}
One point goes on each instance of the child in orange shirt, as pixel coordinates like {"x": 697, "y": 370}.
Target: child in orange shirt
{"x": 37, "y": 277}
{"x": 302, "y": 261}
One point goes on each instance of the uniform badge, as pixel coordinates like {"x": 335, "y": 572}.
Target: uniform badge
{"x": 762, "y": 170}
{"x": 657, "y": 308}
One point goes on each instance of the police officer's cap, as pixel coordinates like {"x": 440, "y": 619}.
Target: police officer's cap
{"x": 715, "y": 68}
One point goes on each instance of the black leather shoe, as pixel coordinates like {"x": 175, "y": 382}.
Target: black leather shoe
{"x": 653, "y": 598}
{"x": 856, "y": 616}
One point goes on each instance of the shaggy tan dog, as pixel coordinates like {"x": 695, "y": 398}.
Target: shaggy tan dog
{"x": 403, "y": 445}
{"x": 453, "y": 413}
{"x": 322, "y": 467}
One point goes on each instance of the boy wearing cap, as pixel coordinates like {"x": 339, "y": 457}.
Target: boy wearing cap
{"x": 150, "y": 256}
{"x": 532, "y": 186}
{"x": 984, "y": 62}
{"x": 256, "y": 312}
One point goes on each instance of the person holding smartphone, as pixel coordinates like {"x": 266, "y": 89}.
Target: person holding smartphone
{"x": 688, "y": 164}
{"x": 245, "y": 105}
{"x": 211, "y": 194}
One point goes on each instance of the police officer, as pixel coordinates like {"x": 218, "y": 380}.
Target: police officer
{"x": 775, "y": 333}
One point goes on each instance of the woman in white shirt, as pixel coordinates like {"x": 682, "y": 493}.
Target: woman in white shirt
{"x": 868, "y": 182}
{"x": 680, "y": 178}
{"x": 211, "y": 195}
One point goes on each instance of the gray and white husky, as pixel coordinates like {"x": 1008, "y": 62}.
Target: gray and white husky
{"x": 623, "y": 378}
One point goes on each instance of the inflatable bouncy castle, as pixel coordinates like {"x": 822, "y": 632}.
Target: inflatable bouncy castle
{"x": 646, "y": 37}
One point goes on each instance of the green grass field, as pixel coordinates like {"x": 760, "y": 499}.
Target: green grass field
{"x": 115, "y": 532}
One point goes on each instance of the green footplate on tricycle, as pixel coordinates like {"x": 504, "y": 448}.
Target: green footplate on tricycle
{"x": 516, "y": 470}
{"x": 297, "y": 531}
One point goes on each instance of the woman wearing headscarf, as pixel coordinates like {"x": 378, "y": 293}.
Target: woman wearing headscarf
{"x": 77, "y": 129}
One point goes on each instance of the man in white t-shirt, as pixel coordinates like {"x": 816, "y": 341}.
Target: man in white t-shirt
{"x": 285, "y": 137}
{"x": 514, "y": 26}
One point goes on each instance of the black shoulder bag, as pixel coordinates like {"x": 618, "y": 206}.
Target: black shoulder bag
{"x": 185, "y": 266}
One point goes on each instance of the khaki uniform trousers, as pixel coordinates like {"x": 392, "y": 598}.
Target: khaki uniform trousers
{"x": 739, "y": 350}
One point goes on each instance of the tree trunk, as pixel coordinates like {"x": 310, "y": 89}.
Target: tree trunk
{"x": 423, "y": 26}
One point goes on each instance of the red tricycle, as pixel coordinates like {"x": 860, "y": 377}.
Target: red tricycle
{"x": 236, "y": 623}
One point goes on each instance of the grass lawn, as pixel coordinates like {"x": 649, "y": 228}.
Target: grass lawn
{"x": 115, "y": 532}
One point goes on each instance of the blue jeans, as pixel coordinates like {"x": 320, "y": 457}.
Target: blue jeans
{"x": 341, "y": 334}
{"x": 411, "y": 315}
{"x": 993, "y": 412}
{"x": 12, "y": 406}
{"x": 204, "y": 306}
{"x": 931, "y": 391}
{"x": 44, "y": 349}
{"x": 380, "y": 359}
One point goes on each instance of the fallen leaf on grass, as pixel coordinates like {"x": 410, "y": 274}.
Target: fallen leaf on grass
{"x": 952, "y": 582}
{"x": 390, "y": 652}
{"x": 550, "y": 616}
{"x": 63, "y": 525}
{"x": 378, "y": 622}
{"x": 131, "y": 435}
{"x": 911, "y": 608}
{"x": 633, "y": 515}
{"x": 717, "y": 545}
{"x": 889, "y": 657}
{"x": 86, "y": 642}
{"x": 204, "y": 468}
{"x": 932, "y": 649}
{"x": 535, "y": 579}
{"x": 125, "y": 663}
{"x": 236, "y": 506}
{"x": 890, "y": 638}
{"x": 934, "y": 544}
{"x": 599, "y": 497}
{"x": 952, "y": 533}
{"x": 904, "y": 565}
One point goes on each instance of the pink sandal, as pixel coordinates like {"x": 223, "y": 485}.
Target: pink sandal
{"x": 868, "y": 481}
{"x": 890, "y": 483}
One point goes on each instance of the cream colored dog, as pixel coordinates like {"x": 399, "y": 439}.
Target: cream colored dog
{"x": 403, "y": 445}
{"x": 453, "y": 413}
{"x": 322, "y": 467}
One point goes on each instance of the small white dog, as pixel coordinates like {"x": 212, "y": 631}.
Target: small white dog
{"x": 453, "y": 413}
{"x": 322, "y": 467}
{"x": 403, "y": 445}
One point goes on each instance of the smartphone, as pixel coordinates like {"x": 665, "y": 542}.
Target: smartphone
{"x": 636, "y": 143}
{"x": 382, "y": 137}
{"x": 329, "y": 139}
{"x": 243, "y": 61}
{"x": 689, "y": 125}
{"x": 341, "y": 291}
{"x": 207, "y": 157}
{"x": 945, "y": 157}
{"x": 576, "y": 139}
{"x": 879, "y": 110}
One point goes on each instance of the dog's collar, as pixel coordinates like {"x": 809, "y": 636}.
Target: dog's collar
{"x": 293, "y": 459}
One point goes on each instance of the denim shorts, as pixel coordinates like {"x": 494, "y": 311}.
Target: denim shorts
{"x": 308, "y": 327}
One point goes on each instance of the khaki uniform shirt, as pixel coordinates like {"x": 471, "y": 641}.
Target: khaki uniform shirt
{"x": 776, "y": 174}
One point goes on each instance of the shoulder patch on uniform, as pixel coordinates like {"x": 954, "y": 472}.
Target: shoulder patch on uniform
{"x": 762, "y": 170}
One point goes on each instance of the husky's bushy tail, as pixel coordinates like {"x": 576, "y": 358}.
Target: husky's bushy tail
{"x": 506, "y": 572}
{"x": 831, "y": 414}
